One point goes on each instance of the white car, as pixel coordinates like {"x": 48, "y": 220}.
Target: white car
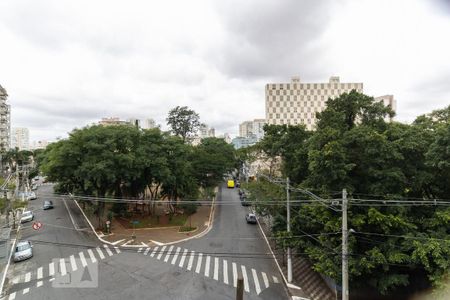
{"x": 27, "y": 216}
{"x": 24, "y": 250}
{"x": 32, "y": 196}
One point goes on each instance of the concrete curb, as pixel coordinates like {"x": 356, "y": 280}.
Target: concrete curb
{"x": 92, "y": 227}
{"x": 287, "y": 284}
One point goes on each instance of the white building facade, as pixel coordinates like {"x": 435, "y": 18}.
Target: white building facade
{"x": 297, "y": 102}
{"x": 20, "y": 138}
{"x": 5, "y": 121}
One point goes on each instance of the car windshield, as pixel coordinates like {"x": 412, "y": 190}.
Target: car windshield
{"x": 22, "y": 247}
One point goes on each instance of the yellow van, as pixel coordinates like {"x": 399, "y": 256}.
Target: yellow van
{"x": 230, "y": 184}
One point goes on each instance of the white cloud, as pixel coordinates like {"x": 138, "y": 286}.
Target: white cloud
{"x": 66, "y": 64}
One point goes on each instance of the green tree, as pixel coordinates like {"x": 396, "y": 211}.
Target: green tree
{"x": 183, "y": 122}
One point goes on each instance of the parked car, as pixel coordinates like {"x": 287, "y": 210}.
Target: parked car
{"x": 238, "y": 184}
{"x": 48, "y": 204}
{"x": 250, "y": 218}
{"x": 32, "y": 196}
{"x": 34, "y": 187}
{"x": 23, "y": 251}
{"x": 245, "y": 201}
{"x": 27, "y": 216}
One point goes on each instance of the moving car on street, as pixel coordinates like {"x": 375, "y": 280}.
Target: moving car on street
{"x": 32, "y": 196}
{"x": 47, "y": 205}
{"x": 250, "y": 218}
{"x": 27, "y": 216}
{"x": 23, "y": 251}
{"x": 230, "y": 184}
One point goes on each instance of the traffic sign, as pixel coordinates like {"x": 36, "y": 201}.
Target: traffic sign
{"x": 37, "y": 225}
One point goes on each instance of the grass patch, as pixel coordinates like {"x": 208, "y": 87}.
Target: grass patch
{"x": 154, "y": 221}
{"x": 187, "y": 228}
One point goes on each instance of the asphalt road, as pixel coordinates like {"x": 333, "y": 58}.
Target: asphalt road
{"x": 201, "y": 268}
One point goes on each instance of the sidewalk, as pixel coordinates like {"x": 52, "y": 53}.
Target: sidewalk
{"x": 122, "y": 236}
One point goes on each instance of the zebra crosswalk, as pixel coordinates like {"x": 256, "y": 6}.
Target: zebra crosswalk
{"x": 212, "y": 266}
{"x": 62, "y": 266}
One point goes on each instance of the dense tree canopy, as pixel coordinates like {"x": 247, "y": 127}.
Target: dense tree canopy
{"x": 384, "y": 166}
{"x": 183, "y": 122}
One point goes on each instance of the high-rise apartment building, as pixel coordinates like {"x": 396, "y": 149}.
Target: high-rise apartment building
{"x": 20, "y": 138}
{"x": 297, "y": 102}
{"x": 148, "y": 124}
{"x": 112, "y": 121}
{"x": 388, "y": 100}
{"x": 252, "y": 128}
{"x": 5, "y": 121}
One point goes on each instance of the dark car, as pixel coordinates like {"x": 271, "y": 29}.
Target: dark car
{"x": 250, "y": 218}
{"x": 47, "y": 205}
{"x": 245, "y": 201}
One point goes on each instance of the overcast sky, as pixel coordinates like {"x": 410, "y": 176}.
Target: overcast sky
{"x": 66, "y": 64}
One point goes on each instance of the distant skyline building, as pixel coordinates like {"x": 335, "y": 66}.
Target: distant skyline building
{"x": 388, "y": 100}
{"x": 112, "y": 121}
{"x": 42, "y": 144}
{"x": 297, "y": 102}
{"x": 148, "y": 124}
{"x": 243, "y": 142}
{"x": 20, "y": 138}
{"x": 252, "y": 128}
{"x": 5, "y": 121}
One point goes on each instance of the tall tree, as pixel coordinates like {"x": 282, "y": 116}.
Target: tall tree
{"x": 183, "y": 122}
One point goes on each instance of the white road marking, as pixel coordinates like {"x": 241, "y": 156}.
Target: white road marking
{"x": 146, "y": 251}
{"x": 62, "y": 267}
{"x": 183, "y": 257}
{"x": 216, "y": 268}
{"x": 244, "y": 276}
{"x": 117, "y": 250}
{"x": 208, "y": 260}
{"x": 275, "y": 279}
{"x": 83, "y": 259}
{"x": 256, "y": 280}
{"x": 25, "y": 291}
{"x": 39, "y": 276}
{"x": 154, "y": 251}
{"x": 12, "y": 296}
{"x": 139, "y": 250}
{"x": 100, "y": 253}
{"x": 28, "y": 277}
{"x": 199, "y": 263}
{"x": 73, "y": 263}
{"x": 92, "y": 256}
{"x": 174, "y": 259}
{"x": 51, "y": 269}
{"x": 235, "y": 274}
{"x": 161, "y": 252}
{"x": 169, "y": 253}
{"x": 265, "y": 279}
{"x": 108, "y": 250}
{"x": 117, "y": 242}
{"x": 191, "y": 260}
{"x": 225, "y": 271}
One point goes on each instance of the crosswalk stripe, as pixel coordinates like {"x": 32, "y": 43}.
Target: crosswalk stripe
{"x": 25, "y": 291}
{"x": 169, "y": 253}
{"x": 39, "y": 276}
{"x": 28, "y": 277}
{"x": 117, "y": 250}
{"x": 146, "y": 251}
{"x": 265, "y": 279}
{"x": 73, "y": 263}
{"x": 100, "y": 253}
{"x": 51, "y": 269}
{"x": 183, "y": 257}
{"x": 154, "y": 251}
{"x": 225, "y": 271}
{"x": 216, "y": 268}
{"x": 161, "y": 252}
{"x": 275, "y": 279}
{"x": 191, "y": 260}
{"x": 83, "y": 259}
{"x": 92, "y": 256}
{"x": 174, "y": 259}
{"x": 199, "y": 263}
{"x": 256, "y": 280}
{"x": 208, "y": 260}
{"x": 12, "y": 296}
{"x": 139, "y": 250}
{"x": 235, "y": 274}
{"x": 62, "y": 267}
{"x": 108, "y": 250}
{"x": 244, "y": 276}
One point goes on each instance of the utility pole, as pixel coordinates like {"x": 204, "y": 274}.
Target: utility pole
{"x": 240, "y": 289}
{"x": 288, "y": 220}
{"x": 345, "y": 293}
